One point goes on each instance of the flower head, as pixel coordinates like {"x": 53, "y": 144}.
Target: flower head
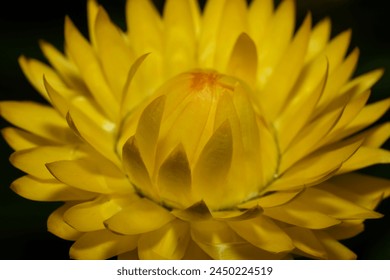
{"x": 201, "y": 134}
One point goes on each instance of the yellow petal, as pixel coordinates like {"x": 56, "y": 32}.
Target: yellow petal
{"x": 275, "y": 93}
{"x": 89, "y": 216}
{"x": 140, "y": 216}
{"x": 92, "y": 11}
{"x": 47, "y": 190}
{"x": 237, "y": 214}
{"x": 278, "y": 37}
{"x": 102, "y": 244}
{"x": 34, "y": 70}
{"x": 318, "y": 39}
{"x": 115, "y": 56}
{"x": 367, "y": 116}
{"x": 271, "y": 199}
{"x": 337, "y": 79}
{"x": 363, "y": 82}
{"x": 90, "y": 69}
{"x": 301, "y": 107}
{"x": 334, "y": 249}
{"x": 174, "y": 179}
{"x": 194, "y": 252}
{"x": 130, "y": 97}
{"x": 148, "y": 131}
{"x": 351, "y": 110}
{"x": 263, "y": 233}
{"x": 167, "y": 243}
{"x": 243, "y": 60}
{"x": 232, "y": 23}
{"x": 100, "y": 138}
{"x": 42, "y": 120}
{"x": 213, "y": 166}
{"x": 33, "y": 161}
{"x": 298, "y": 213}
{"x": 259, "y": 17}
{"x": 57, "y": 226}
{"x": 179, "y": 37}
{"x": 144, "y": 24}
{"x": 207, "y": 42}
{"x": 21, "y": 140}
{"x": 346, "y": 229}
{"x": 220, "y": 242}
{"x": 196, "y": 212}
{"x": 306, "y": 241}
{"x": 376, "y": 136}
{"x": 363, "y": 190}
{"x": 310, "y": 136}
{"x": 365, "y": 157}
{"x": 315, "y": 167}
{"x": 93, "y": 174}
{"x": 335, "y": 50}
{"x": 65, "y": 68}
{"x": 135, "y": 168}
{"x": 334, "y": 206}
{"x": 131, "y": 255}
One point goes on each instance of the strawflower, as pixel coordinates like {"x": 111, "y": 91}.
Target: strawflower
{"x": 221, "y": 134}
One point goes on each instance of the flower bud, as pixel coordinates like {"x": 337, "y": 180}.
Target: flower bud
{"x": 197, "y": 140}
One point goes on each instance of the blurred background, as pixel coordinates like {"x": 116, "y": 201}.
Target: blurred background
{"x": 23, "y": 232}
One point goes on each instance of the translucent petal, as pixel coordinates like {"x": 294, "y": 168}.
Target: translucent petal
{"x": 42, "y": 120}
{"x": 33, "y": 161}
{"x": 213, "y": 166}
{"x": 93, "y": 174}
{"x": 140, "y": 216}
{"x": 115, "y": 55}
{"x": 47, "y": 190}
{"x": 174, "y": 179}
{"x": 90, "y": 215}
{"x": 167, "y": 243}
{"x": 20, "y": 140}
{"x": 306, "y": 241}
{"x": 243, "y": 60}
{"x": 90, "y": 69}
{"x": 148, "y": 131}
{"x": 135, "y": 168}
{"x": 263, "y": 233}
{"x": 102, "y": 244}
{"x": 57, "y": 226}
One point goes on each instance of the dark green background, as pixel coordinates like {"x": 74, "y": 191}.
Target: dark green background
{"x": 23, "y": 223}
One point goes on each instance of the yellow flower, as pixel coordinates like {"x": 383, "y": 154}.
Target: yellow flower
{"x": 218, "y": 134}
